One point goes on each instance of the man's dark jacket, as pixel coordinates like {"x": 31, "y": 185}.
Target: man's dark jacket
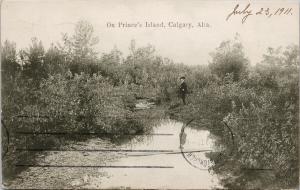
{"x": 183, "y": 89}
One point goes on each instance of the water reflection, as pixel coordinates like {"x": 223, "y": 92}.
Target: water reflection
{"x": 156, "y": 159}
{"x": 181, "y": 175}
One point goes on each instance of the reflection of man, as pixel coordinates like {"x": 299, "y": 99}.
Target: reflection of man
{"x": 183, "y": 89}
{"x": 182, "y": 138}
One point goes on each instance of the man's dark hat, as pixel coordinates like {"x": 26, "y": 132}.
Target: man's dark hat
{"x": 182, "y": 77}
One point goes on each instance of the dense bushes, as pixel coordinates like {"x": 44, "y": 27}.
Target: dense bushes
{"x": 261, "y": 111}
{"x": 84, "y": 101}
{"x": 265, "y": 138}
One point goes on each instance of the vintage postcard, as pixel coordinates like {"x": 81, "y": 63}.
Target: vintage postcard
{"x": 149, "y": 94}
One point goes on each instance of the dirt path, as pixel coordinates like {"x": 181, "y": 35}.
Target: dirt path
{"x": 66, "y": 177}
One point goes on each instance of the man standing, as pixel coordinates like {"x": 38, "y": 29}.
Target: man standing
{"x": 183, "y": 89}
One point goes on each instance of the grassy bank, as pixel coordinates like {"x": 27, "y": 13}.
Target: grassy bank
{"x": 258, "y": 130}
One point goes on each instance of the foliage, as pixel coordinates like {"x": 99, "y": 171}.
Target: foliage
{"x": 10, "y": 67}
{"x": 261, "y": 112}
{"x": 33, "y": 62}
{"x": 78, "y": 50}
{"x": 229, "y": 58}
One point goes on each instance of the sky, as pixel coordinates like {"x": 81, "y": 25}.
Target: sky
{"x": 48, "y": 19}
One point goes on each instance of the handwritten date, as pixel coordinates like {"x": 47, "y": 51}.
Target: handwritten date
{"x": 247, "y": 11}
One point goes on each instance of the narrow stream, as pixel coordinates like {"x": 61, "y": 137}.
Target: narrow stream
{"x": 147, "y": 161}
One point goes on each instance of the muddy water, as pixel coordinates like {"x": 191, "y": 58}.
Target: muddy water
{"x": 147, "y": 161}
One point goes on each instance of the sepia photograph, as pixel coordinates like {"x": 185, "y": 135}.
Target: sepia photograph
{"x": 149, "y": 94}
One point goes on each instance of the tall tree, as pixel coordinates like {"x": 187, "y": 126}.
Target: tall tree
{"x": 54, "y": 61}
{"x": 229, "y": 58}
{"x": 9, "y": 62}
{"x": 79, "y": 48}
{"x": 33, "y": 58}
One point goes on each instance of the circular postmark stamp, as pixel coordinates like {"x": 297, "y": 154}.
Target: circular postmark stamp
{"x": 195, "y": 144}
